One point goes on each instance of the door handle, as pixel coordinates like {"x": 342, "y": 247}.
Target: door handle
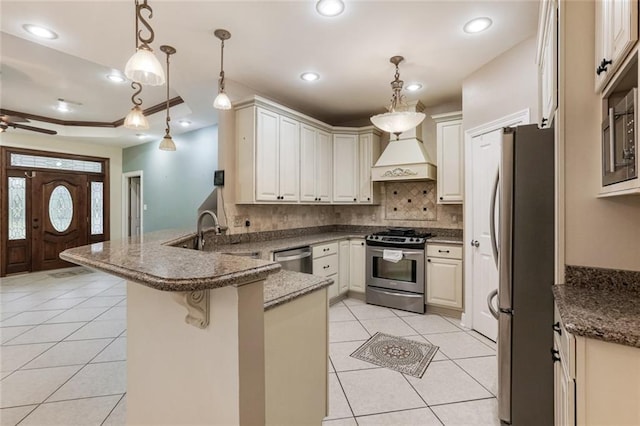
{"x": 475, "y": 243}
{"x": 490, "y": 298}
{"x": 492, "y": 217}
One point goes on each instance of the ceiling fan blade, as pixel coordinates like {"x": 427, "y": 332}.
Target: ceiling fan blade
{"x": 13, "y": 119}
{"x": 34, "y": 129}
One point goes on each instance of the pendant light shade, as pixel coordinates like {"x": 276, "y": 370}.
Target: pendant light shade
{"x": 167, "y": 144}
{"x": 222, "y": 101}
{"x": 136, "y": 119}
{"x": 398, "y": 119}
{"x": 145, "y": 68}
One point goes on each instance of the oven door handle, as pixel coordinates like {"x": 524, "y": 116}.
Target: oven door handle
{"x": 404, "y": 253}
{"x": 404, "y": 294}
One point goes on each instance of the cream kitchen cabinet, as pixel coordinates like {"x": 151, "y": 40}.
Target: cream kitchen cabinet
{"x": 444, "y": 276}
{"x": 267, "y": 157}
{"x": 326, "y": 264}
{"x": 357, "y": 273}
{"x": 369, "y": 151}
{"x": 547, "y": 60}
{"x": 343, "y": 267}
{"x": 595, "y": 382}
{"x": 345, "y": 168}
{"x": 450, "y": 145}
{"x": 616, "y": 34}
{"x": 316, "y": 165}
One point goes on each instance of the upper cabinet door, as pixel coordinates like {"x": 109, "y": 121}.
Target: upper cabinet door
{"x": 616, "y": 34}
{"x": 366, "y": 185}
{"x": 345, "y": 168}
{"x": 289, "y": 159}
{"x": 267, "y": 135}
{"x": 547, "y": 59}
{"x": 308, "y": 163}
{"x": 324, "y": 166}
{"x": 450, "y": 162}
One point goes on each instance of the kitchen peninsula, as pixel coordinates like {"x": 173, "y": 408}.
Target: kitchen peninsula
{"x": 204, "y": 328}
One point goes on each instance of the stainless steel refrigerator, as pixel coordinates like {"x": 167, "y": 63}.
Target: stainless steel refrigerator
{"x": 524, "y": 246}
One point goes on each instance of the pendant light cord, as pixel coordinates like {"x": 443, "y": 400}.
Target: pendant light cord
{"x": 221, "y": 88}
{"x": 168, "y": 130}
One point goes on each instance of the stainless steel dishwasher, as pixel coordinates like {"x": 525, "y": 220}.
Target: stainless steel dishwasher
{"x": 297, "y": 259}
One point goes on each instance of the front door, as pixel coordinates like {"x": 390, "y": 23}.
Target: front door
{"x": 59, "y": 219}
{"x": 50, "y": 202}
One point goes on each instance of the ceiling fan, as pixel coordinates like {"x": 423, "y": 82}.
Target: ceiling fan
{"x": 15, "y": 121}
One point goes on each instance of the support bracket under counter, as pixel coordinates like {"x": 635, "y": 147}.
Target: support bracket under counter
{"x": 197, "y": 304}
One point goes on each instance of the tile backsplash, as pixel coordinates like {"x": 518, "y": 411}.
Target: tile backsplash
{"x": 395, "y": 209}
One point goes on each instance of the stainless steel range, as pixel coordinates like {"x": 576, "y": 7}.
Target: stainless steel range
{"x": 396, "y": 269}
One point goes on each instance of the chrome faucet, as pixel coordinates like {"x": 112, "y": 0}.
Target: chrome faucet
{"x": 218, "y": 229}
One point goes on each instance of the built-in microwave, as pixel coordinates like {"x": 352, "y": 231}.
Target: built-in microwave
{"x": 619, "y": 135}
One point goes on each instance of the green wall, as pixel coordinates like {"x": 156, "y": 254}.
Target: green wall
{"x": 175, "y": 183}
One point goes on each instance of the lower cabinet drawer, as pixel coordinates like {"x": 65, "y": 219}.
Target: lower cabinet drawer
{"x": 325, "y": 250}
{"x": 446, "y": 251}
{"x": 325, "y": 266}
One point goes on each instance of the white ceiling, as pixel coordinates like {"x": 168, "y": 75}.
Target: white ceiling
{"x": 272, "y": 43}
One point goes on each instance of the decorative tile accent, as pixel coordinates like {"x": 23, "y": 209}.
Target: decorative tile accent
{"x": 410, "y": 201}
{"x": 402, "y": 355}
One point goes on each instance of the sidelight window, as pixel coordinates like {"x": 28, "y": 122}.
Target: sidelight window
{"x": 97, "y": 211}
{"x": 17, "y": 195}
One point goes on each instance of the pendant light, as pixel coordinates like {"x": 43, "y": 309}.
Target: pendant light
{"x": 167, "y": 144}
{"x": 399, "y": 118}
{"x": 222, "y": 101}
{"x": 136, "y": 119}
{"x": 143, "y": 66}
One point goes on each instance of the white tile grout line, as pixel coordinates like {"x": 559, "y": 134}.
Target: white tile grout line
{"x": 72, "y": 399}
{"x": 344, "y": 393}
{"x": 114, "y": 407}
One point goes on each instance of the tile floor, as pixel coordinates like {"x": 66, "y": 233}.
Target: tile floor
{"x": 63, "y": 359}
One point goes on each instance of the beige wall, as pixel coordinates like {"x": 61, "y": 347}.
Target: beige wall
{"x": 55, "y": 144}
{"x": 503, "y": 86}
{"x": 601, "y": 232}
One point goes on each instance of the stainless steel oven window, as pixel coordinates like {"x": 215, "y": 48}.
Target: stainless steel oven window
{"x": 404, "y": 270}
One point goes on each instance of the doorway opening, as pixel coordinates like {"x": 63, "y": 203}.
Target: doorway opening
{"x": 132, "y": 204}
{"x": 50, "y": 202}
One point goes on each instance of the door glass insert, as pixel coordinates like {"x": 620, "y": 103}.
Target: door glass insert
{"x": 38, "y": 161}
{"x": 60, "y": 208}
{"x": 17, "y": 208}
{"x": 97, "y": 211}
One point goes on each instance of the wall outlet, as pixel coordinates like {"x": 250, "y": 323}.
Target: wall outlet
{"x": 237, "y": 221}
{"x": 247, "y": 223}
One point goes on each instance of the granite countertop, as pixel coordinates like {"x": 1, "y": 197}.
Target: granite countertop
{"x": 608, "y": 314}
{"x": 152, "y": 261}
{"x": 445, "y": 240}
{"x": 285, "y": 286}
{"x": 264, "y": 249}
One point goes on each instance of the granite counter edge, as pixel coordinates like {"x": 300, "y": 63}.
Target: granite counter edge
{"x": 322, "y": 283}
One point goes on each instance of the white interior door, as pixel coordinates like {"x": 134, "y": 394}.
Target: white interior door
{"x": 484, "y": 169}
{"x": 135, "y": 206}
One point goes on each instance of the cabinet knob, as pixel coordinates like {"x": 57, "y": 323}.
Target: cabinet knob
{"x": 368, "y": 198}
{"x": 361, "y": 244}
{"x": 603, "y": 66}
{"x": 355, "y": 199}
{"x": 429, "y": 260}
{"x": 556, "y": 328}
{"x": 441, "y": 198}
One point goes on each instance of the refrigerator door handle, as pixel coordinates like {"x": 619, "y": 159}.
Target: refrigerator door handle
{"x": 490, "y": 298}
{"x": 492, "y": 217}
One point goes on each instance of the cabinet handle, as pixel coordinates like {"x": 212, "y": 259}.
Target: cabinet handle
{"x": 557, "y": 329}
{"x": 603, "y": 66}
{"x": 355, "y": 199}
{"x": 361, "y": 244}
{"x": 429, "y": 260}
{"x": 543, "y": 121}
{"x": 554, "y": 355}
{"x": 443, "y": 251}
{"x": 368, "y": 198}
{"x": 441, "y": 198}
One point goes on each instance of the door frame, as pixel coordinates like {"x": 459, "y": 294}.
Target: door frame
{"x": 516, "y": 118}
{"x": 126, "y": 179}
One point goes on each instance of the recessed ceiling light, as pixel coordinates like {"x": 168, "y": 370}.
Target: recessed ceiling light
{"x": 477, "y": 25}
{"x": 330, "y": 7}
{"x": 310, "y": 76}
{"x": 39, "y": 31}
{"x": 184, "y": 123}
{"x": 116, "y": 78}
{"x": 412, "y": 87}
{"x": 62, "y": 106}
